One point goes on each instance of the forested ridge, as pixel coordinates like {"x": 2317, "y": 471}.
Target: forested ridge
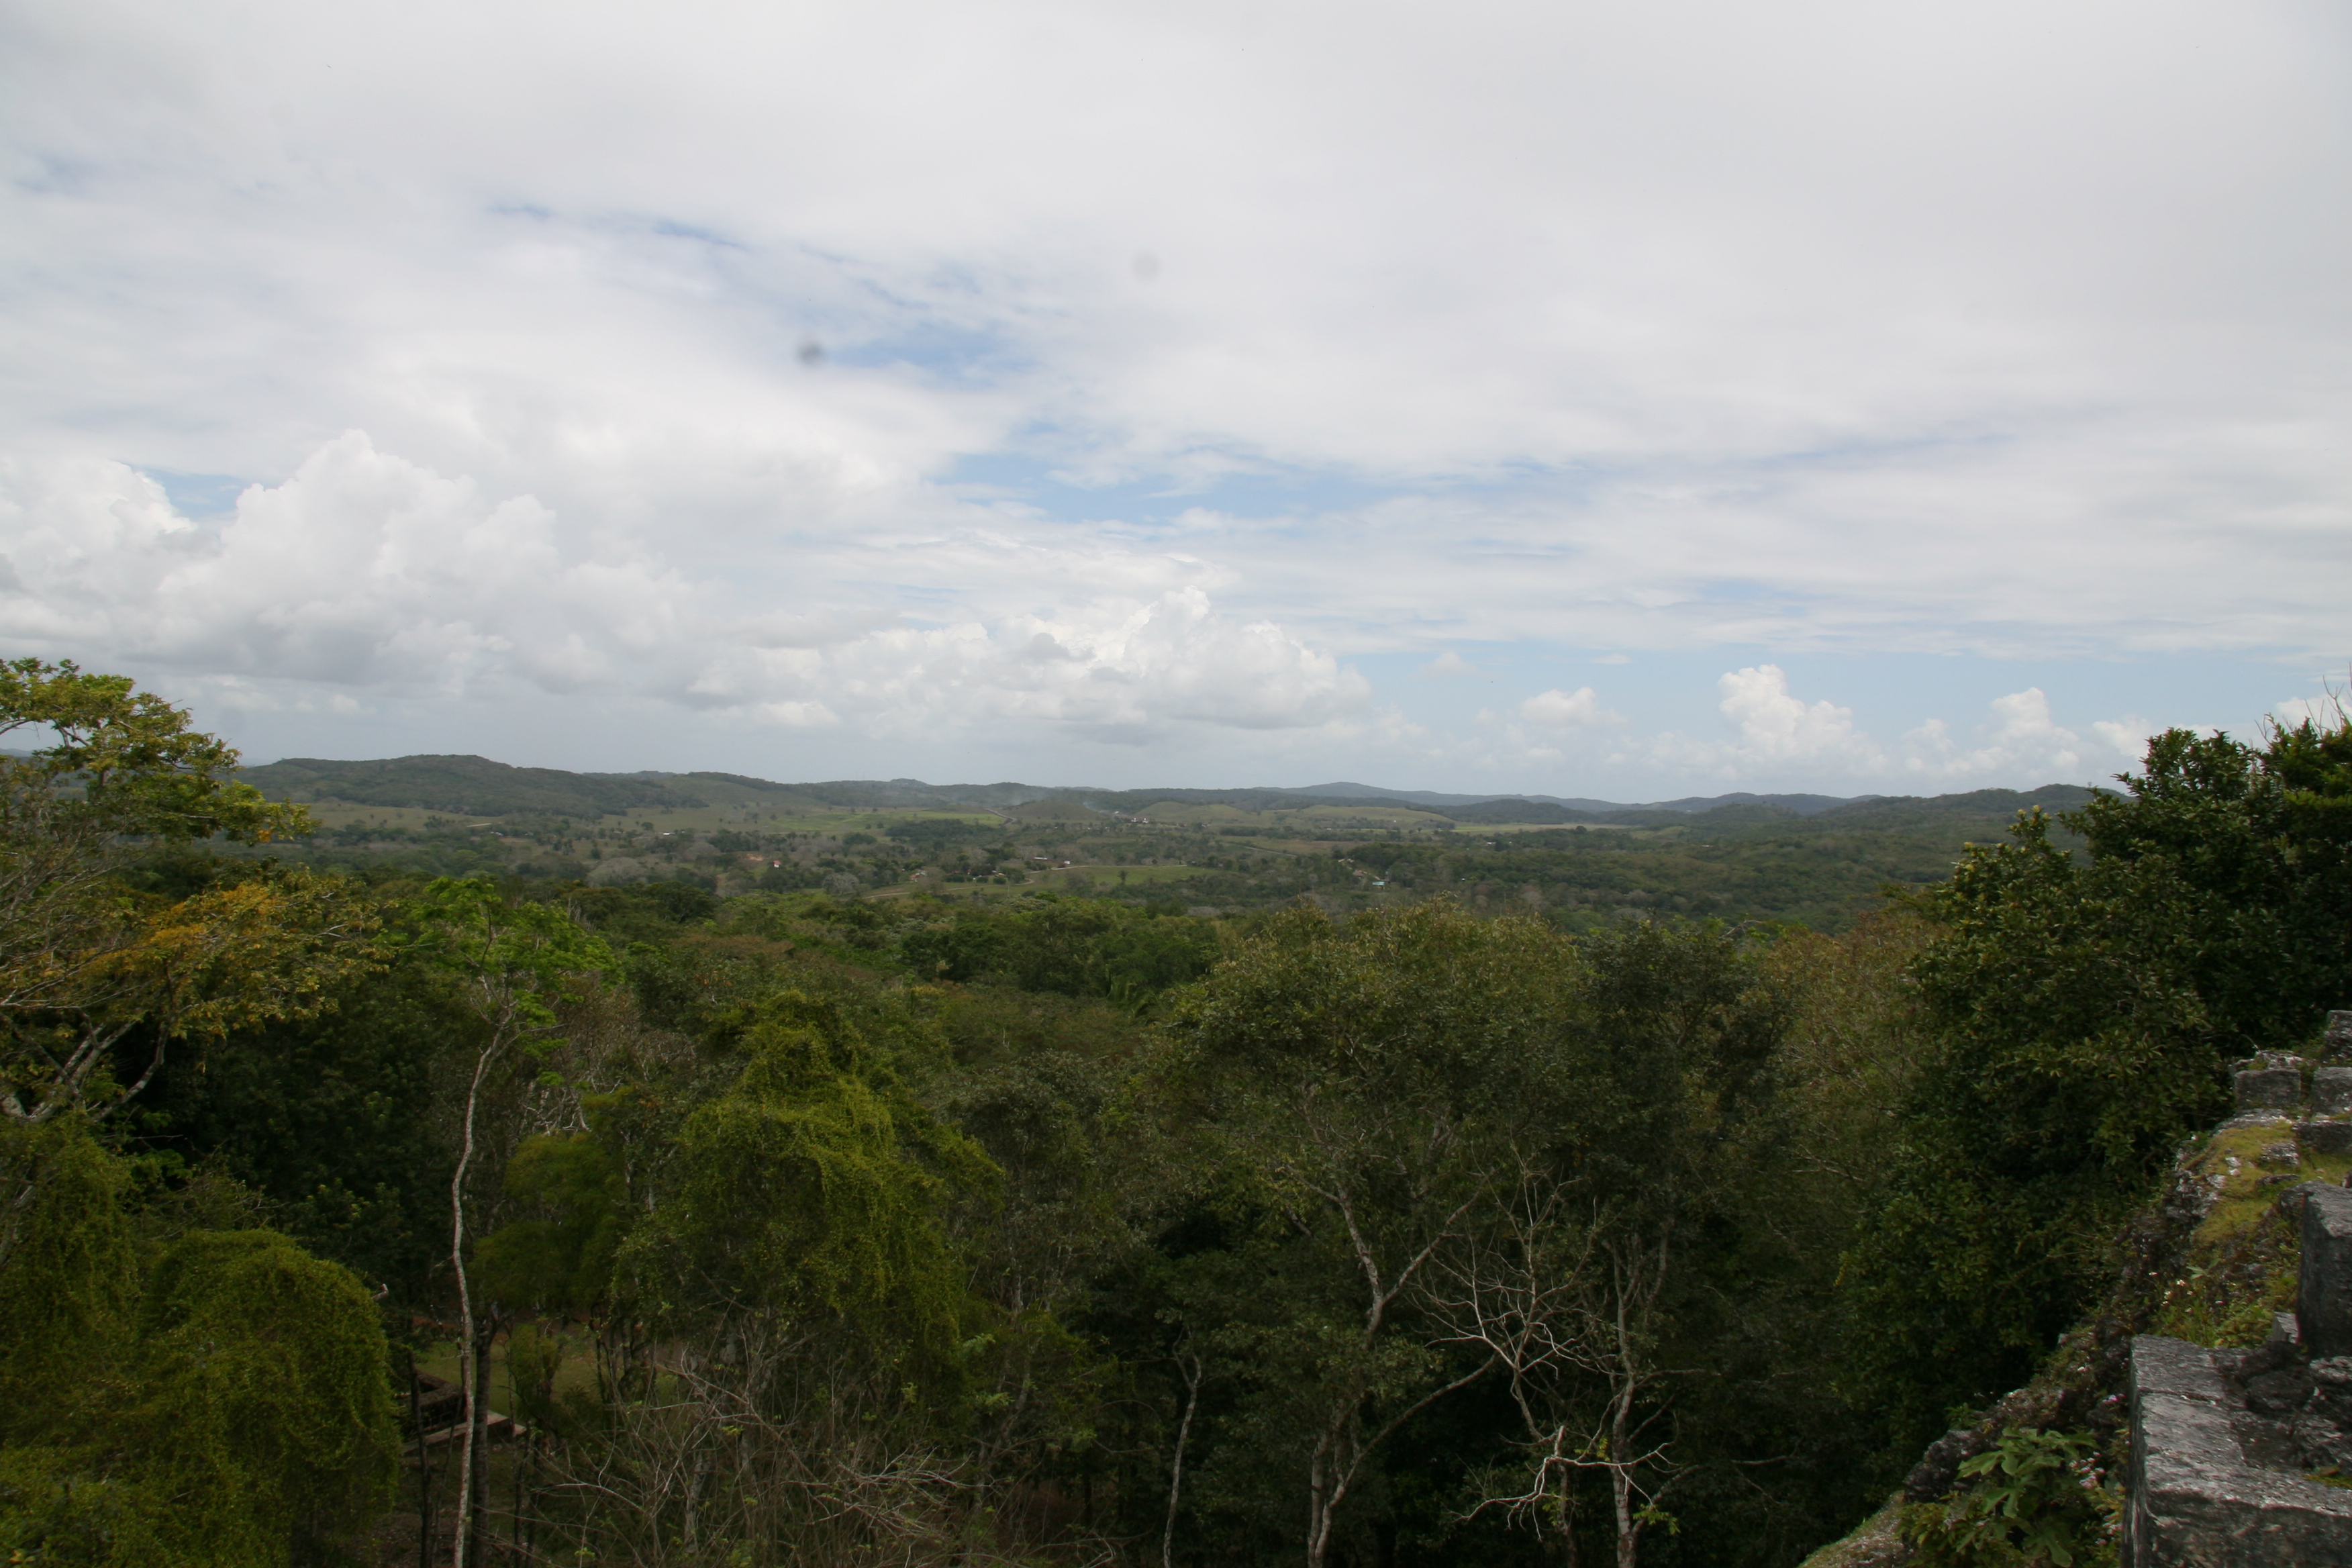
{"x": 1047, "y": 1184}
{"x": 1227, "y": 851}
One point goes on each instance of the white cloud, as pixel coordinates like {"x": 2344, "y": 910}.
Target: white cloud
{"x": 362, "y": 569}
{"x": 2126, "y": 741}
{"x": 366, "y": 570}
{"x": 2023, "y": 739}
{"x": 1118, "y": 669}
{"x": 1782, "y": 737}
{"x": 2325, "y": 711}
{"x": 1777, "y": 728}
{"x": 1831, "y": 328}
{"x": 1580, "y": 709}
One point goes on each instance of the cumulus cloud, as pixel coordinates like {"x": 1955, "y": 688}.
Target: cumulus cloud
{"x": 2324, "y": 713}
{"x": 366, "y": 571}
{"x": 1577, "y": 710}
{"x": 1776, "y": 726}
{"x": 1837, "y": 328}
{"x": 1781, "y": 736}
{"x": 2022, "y": 739}
{"x": 361, "y": 569}
{"x": 1118, "y": 669}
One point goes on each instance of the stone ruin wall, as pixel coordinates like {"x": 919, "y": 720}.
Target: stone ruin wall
{"x": 2224, "y": 1442}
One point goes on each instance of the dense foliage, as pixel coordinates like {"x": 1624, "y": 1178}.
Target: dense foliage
{"x": 2085, "y": 1011}
{"x": 210, "y": 1399}
{"x": 1443, "y": 1214}
{"x": 1224, "y": 850}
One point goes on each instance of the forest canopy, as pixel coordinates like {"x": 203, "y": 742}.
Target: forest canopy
{"x": 748, "y": 1208}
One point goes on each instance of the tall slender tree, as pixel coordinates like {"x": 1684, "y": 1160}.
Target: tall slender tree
{"x": 509, "y": 962}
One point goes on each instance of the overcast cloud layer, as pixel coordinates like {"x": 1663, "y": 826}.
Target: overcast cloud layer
{"x": 1615, "y": 400}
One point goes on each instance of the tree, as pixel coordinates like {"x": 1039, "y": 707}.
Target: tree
{"x": 508, "y": 962}
{"x": 1561, "y": 1304}
{"x": 1368, "y": 1082}
{"x": 1597, "y": 1284}
{"x": 336, "y": 1121}
{"x": 2082, "y": 1010}
{"x": 83, "y": 961}
{"x": 222, "y": 1401}
{"x": 800, "y": 1249}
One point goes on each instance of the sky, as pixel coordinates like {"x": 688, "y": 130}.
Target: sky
{"x": 1625, "y": 401}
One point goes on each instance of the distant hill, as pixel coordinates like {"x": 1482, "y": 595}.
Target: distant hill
{"x": 1904, "y": 810}
{"x": 477, "y": 786}
{"x": 1360, "y": 794}
{"x": 1524, "y": 811}
{"x": 464, "y": 786}
{"x": 1803, "y": 804}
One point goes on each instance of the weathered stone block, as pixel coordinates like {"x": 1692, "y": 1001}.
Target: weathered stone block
{"x": 1938, "y": 1469}
{"x": 2194, "y": 1500}
{"x": 2322, "y": 1299}
{"x": 2339, "y": 1033}
{"x": 2323, "y": 1137}
{"x": 2270, "y": 1089}
{"x": 2331, "y": 1090}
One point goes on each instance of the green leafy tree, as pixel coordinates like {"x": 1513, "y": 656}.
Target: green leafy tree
{"x": 508, "y": 962}
{"x": 222, "y": 1403}
{"x": 799, "y": 1241}
{"x": 810, "y": 1198}
{"x": 338, "y": 1121}
{"x": 266, "y": 1402}
{"x": 557, "y": 1255}
{"x": 1077, "y": 947}
{"x": 1634, "y": 1250}
{"x": 83, "y": 961}
{"x": 1370, "y": 1083}
{"x": 2083, "y": 1011}
{"x": 69, "y": 1278}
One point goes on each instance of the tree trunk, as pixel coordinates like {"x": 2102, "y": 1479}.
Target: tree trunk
{"x": 1621, "y": 1482}
{"x": 424, "y": 1469}
{"x": 1175, "y": 1471}
{"x": 464, "y": 1555}
{"x": 692, "y": 1536}
{"x": 477, "y": 1440}
{"x": 1326, "y": 1484}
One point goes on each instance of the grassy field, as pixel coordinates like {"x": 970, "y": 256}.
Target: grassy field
{"x": 1054, "y": 878}
{"x": 702, "y": 819}
{"x": 1178, "y": 814}
{"x": 1111, "y": 876}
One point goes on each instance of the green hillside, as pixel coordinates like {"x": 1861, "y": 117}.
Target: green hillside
{"x": 466, "y": 785}
{"x": 1750, "y": 858}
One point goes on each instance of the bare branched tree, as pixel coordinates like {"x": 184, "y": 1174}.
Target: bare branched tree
{"x": 1565, "y": 1303}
